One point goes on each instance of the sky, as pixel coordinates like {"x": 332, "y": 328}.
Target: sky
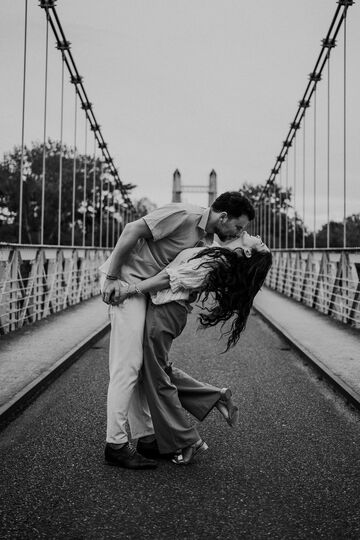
{"x": 193, "y": 85}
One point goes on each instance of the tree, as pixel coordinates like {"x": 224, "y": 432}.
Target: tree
{"x": 336, "y": 233}
{"x": 278, "y": 200}
{"x": 144, "y": 206}
{"x": 275, "y": 202}
{"x": 109, "y": 198}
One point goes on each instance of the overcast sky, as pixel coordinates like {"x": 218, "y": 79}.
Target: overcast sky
{"x": 189, "y": 84}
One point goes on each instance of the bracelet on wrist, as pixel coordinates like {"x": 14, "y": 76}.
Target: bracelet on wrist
{"x": 111, "y": 277}
{"x": 138, "y": 290}
{"x": 134, "y": 289}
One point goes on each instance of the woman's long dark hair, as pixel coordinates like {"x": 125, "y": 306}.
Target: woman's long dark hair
{"x": 232, "y": 283}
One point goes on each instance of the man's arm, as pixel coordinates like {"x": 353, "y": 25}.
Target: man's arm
{"x": 131, "y": 234}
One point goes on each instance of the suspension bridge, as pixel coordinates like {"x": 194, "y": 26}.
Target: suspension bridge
{"x": 291, "y": 470}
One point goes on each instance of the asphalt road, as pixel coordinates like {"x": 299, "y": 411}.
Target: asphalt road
{"x": 291, "y": 469}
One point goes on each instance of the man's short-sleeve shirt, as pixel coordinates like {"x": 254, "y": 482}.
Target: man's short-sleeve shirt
{"x": 174, "y": 227}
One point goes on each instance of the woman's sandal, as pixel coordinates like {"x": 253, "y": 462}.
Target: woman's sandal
{"x": 226, "y": 407}
{"x": 188, "y": 454}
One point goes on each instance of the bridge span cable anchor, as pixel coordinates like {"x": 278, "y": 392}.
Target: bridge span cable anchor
{"x": 63, "y": 45}
{"x": 329, "y": 43}
{"x": 304, "y": 103}
{"x": 46, "y": 4}
{"x": 76, "y": 79}
{"x": 315, "y": 77}
{"x": 346, "y": 3}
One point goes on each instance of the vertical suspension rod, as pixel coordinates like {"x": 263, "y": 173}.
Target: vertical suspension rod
{"x": 21, "y": 191}
{"x": 328, "y": 162}
{"x": 55, "y": 24}
{"x": 74, "y": 175}
{"x": 61, "y": 150}
{"x": 315, "y": 175}
{"x": 44, "y": 149}
{"x": 329, "y": 41}
{"x": 345, "y": 103}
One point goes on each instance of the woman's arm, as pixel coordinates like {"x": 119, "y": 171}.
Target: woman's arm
{"x": 153, "y": 284}
{"x": 188, "y": 275}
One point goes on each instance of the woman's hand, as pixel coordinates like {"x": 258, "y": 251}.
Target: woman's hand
{"x": 123, "y": 295}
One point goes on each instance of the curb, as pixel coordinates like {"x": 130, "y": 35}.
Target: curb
{"x": 335, "y": 381}
{"x": 27, "y": 395}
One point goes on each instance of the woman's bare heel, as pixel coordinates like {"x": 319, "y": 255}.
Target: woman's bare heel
{"x": 226, "y": 407}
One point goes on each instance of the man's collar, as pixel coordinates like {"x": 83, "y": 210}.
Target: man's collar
{"x": 204, "y": 219}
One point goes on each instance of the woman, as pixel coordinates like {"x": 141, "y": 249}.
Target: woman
{"x": 229, "y": 277}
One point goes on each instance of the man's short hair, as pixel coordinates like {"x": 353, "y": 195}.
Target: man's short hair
{"x": 235, "y": 204}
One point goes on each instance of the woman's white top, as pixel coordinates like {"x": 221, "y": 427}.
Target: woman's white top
{"x": 185, "y": 276}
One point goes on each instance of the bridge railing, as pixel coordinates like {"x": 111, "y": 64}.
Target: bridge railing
{"x": 36, "y": 281}
{"x": 327, "y": 280}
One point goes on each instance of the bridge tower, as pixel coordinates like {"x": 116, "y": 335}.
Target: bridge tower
{"x": 179, "y": 188}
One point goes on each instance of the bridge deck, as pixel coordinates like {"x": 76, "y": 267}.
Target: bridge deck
{"x": 290, "y": 469}
{"x": 32, "y": 356}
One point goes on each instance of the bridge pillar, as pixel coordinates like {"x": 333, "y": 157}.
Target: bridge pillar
{"x": 212, "y": 187}
{"x": 176, "y": 194}
{"x": 179, "y": 188}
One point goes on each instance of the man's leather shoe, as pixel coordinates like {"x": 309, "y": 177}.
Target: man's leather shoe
{"x": 151, "y": 450}
{"x": 128, "y": 457}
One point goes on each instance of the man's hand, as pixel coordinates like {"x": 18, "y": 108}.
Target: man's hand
{"x": 115, "y": 292}
{"x": 111, "y": 293}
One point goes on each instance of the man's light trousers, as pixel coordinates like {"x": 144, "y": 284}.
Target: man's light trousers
{"x": 126, "y": 399}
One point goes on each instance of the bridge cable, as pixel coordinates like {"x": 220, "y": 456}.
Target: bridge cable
{"x": 113, "y": 218}
{"x": 76, "y": 79}
{"x": 263, "y": 220}
{"x": 315, "y": 77}
{"x": 280, "y": 208}
{"x": 85, "y": 186}
{"x": 61, "y": 148}
{"x": 21, "y": 191}
{"x": 44, "y": 149}
{"x": 94, "y": 193}
{"x": 269, "y": 217}
{"x": 345, "y": 103}
{"x": 304, "y": 187}
{"x": 328, "y": 159}
{"x": 294, "y": 203}
{"x": 287, "y": 204}
{"x": 274, "y": 217}
{"x": 74, "y": 173}
{"x": 315, "y": 170}
{"x": 107, "y": 211}
{"x": 101, "y": 209}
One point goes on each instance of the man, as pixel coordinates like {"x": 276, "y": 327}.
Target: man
{"x": 144, "y": 248}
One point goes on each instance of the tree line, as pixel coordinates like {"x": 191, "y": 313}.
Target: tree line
{"x": 279, "y": 201}
{"x": 108, "y": 198}
{"x": 105, "y": 201}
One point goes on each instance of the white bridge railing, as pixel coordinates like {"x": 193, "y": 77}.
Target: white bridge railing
{"x": 36, "y": 281}
{"x": 324, "y": 279}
